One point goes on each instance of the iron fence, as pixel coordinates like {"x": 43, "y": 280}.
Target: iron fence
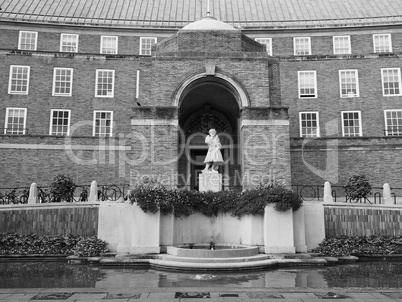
{"x": 20, "y": 195}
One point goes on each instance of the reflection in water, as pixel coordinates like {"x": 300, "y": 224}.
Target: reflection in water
{"x": 63, "y": 275}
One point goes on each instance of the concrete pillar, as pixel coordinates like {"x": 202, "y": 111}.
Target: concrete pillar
{"x": 278, "y": 231}
{"x": 386, "y": 193}
{"x": 299, "y": 232}
{"x": 93, "y": 192}
{"x": 328, "y": 192}
{"x": 33, "y": 194}
{"x": 314, "y": 223}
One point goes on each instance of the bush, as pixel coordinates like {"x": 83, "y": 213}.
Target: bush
{"x": 14, "y": 244}
{"x": 345, "y": 246}
{"x": 89, "y": 247}
{"x": 152, "y": 196}
{"x": 62, "y": 188}
{"x": 358, "y": 187}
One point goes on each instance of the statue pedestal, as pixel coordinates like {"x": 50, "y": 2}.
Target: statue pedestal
{"x": 210, "y": 181}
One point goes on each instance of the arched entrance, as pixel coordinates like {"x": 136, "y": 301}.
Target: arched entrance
{"x": 204, "y": 103}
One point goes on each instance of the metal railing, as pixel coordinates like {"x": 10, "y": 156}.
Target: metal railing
{"x": 20, "y": 195}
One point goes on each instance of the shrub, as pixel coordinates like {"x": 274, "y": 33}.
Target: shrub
{"x": 89, "y": 247}
{"x": 152, "y": 196}
{"x": 62, "y": 188}
{"x": 358, "y": 187}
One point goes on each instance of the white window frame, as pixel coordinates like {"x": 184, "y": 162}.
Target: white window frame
{"x": 299, "y": 84}
{"x": 356, "y": 83}
{"x": 20, "y": 44}
{"x": 268, "y": 44}
{"x": 11, "y": 79}
{"x": 109, "y": 94}
{"x": 376, "y": 46}
{"x": 341, "y": 50}
{"x": 7, "y": 116}
{"x": 115, "y": 46}
{"x": 383, "y": 82}
{"x": 295, "y": 48}
{"x": 51, "y": 122}
{"x": 111, "y": 123}
{"x": 359, "y": 125}
{"x": 147, "y": 52}
{"x": 62, "y": 37}
{"x": 317, "y": 134}
{"x": 398, "y": 132}
{"x": 54, "y": 93}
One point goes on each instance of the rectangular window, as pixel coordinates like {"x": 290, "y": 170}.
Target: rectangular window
{"x": 15, "y": 121}
{"x": 393, "y": 122}
{"x": 307, "y": 84}
{"x": 109, "y": 45}
{"x": 267, "y": 42}
{"x": 146, "y": 45}
{"x": 104, "y": 83}
{"x": 309, "y": 126}
{"x": 349, "y": 83}
{"x": 341, "y": 45}
{"x": 69, "y": 43}
{"x": 59, "y": 122}
{"x": 391, "y": 81}
{"x": 27, "y": 40}
{"x": 62, "y": 81}
{"x": 302, "y": 46}
{"x": 351, "y": 123}
{"x": 382, "y": 43}
{"x": 103, "y": 123}
{"x": 19, "y": 79}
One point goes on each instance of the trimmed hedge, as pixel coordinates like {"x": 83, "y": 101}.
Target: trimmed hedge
{"x": 345, "y": 246}
{"x": 151, "y": 196}
{"x": 14, "y": 244}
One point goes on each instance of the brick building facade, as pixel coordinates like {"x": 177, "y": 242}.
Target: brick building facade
{"x": 115, "y": 99}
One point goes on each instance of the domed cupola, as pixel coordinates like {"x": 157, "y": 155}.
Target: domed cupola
{"x": 208, "y": 23}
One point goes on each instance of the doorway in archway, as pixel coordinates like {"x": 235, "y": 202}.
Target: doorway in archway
{"x": 209, "y": 104}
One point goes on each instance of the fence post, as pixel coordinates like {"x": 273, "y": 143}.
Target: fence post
{"x": 33, "y": 194}
{"x": 386, "y": 194}
{"x": 93, "y": 191}
{"x": 328, "y": 192}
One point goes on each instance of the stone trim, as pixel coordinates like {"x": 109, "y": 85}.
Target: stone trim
{"x": 152, "y": 122}
{"x": 65, "y": 147}
{"x": 264, "y": 123}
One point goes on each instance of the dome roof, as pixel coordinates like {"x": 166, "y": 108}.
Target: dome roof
{"x": 208, "y": 23}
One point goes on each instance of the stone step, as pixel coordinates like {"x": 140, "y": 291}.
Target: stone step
{"x": 259, "y": 257}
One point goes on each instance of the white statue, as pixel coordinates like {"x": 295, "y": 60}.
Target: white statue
{"x": 214, "y": 156}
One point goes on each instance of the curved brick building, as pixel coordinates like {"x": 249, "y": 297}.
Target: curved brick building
{"x": 300, "y": 91}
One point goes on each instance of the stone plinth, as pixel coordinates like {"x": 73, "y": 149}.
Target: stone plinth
{"x": 210, "y": 181}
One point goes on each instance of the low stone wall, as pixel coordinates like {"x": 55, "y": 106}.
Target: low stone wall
{"x": 50, "y": 219}
{"x": 362, "y": 220}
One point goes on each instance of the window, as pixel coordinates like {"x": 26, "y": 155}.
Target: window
{"x": 309, "y": 124}
{"x": 267, "y": 42}
{"x": 393, "y": 122}
{"x": 27, "y": 40}
{"x": 104, "y": 83}
{"x": 15, "y": 121}
{"x": 59, "y": 122}
{"x": 146, "y": 45}
{"x": 307, "y": 84}
{"x": 19, "y": 79}
{"x": 103, "y": 123}
{"x": 69, "y": 43}
{"x": 349, "y": 83}
{"x": 62, "y": 81}
{"x": 341, "y": 45}
{"x": 109, "y": 44}
{"x": 382, "y": 43}
{"x": 351, "y": 123}
{"x": 302, "y": 46}
{"x": 391, "y": 81}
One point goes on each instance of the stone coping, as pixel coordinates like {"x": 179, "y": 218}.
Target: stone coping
{"x": 50, "y": 205}
{"x": 361, "y": 205}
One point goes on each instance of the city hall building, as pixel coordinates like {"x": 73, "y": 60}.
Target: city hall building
{"x": 300, "y": 91}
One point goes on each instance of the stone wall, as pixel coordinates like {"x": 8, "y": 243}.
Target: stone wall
{"x": 54, "y": 219}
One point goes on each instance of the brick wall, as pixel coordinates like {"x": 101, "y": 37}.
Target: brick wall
{"x": 362, "y": 221}
{"x": 50, "y": 220}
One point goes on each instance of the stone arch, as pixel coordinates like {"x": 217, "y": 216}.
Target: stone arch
{"x": 229, "y": 82}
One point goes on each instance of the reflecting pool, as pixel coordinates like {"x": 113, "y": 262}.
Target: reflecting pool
{"x": 63, "y": 275}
